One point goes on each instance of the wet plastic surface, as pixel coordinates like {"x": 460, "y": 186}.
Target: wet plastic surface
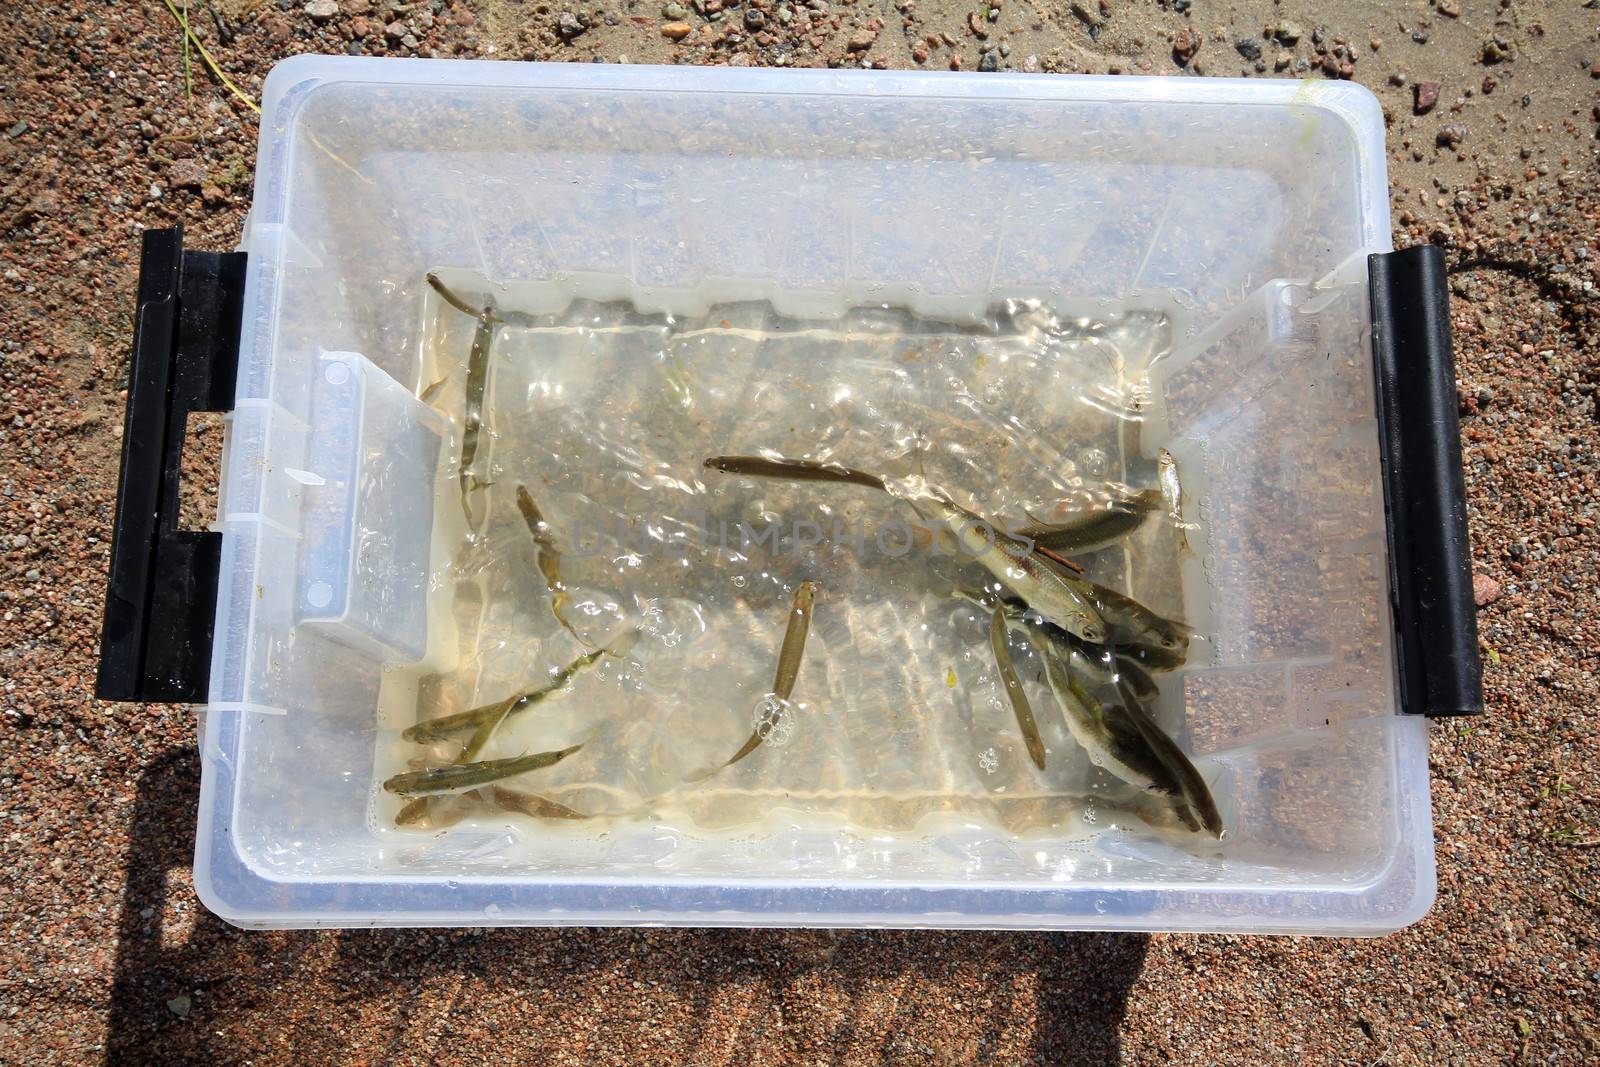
{"x": 921, "y": 202}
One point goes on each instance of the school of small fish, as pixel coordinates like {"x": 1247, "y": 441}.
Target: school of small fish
{"x": 1098, "y": 646}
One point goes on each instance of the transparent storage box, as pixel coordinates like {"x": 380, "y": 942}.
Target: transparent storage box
{"x": 797, "y": 236}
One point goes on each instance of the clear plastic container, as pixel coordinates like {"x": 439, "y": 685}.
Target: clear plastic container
{"x": 1219, "y": 227}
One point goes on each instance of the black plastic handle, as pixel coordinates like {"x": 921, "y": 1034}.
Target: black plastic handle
{"x": 162, "y": 596}
{"x": 1430, "y": 563}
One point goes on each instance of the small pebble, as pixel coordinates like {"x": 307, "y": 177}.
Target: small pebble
{"x": 569, "y": 26}
{"x": 676, "y": 31}
{"x": 1485, "y": 590}
{"x": 1185, "y": 45}
{"x": 1426, "y": 96}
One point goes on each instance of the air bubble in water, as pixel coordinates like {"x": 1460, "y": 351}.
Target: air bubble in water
{"x": 989, "y": 760}
{"x": 739, "y": 581}
{"x": 1095, "y": 462}
{"x": 671, "y": 622}
{"x": 774, "y": 720}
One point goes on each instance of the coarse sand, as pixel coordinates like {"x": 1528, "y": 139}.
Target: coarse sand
{"x": 106, "y": 953}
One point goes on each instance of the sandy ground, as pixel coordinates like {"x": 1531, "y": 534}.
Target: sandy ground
{"x": 105, "y": 952}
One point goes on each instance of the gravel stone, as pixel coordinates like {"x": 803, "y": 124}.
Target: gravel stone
{"x": 862, "y": 40}
{"x": 1425, "y": 97}
{"x": 186, "y": 174}
{"x": 1185, "y": 45}
{"x": 569, "y": 26}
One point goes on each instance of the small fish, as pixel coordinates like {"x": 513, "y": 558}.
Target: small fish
{"x": 1151, "y": 657}
{"x": 1172, "y": 495}
{"x": 1111, "y": 741}
{"x": 445, "y": 725}
{"x": 1106, "y": 664}
{"x": 999, "y": 640}
{"x": 449, "y": 296}
{"x": 802, "y": 470}
{"x": 429, "y": 394}
{"x": 471, "y": 775}
{"x": 1048, "y": 589}
{"x": 548, "y": 560}
{"x": 1193, "y": 787}
{"x": 794, "y": 646}
{"x": 532, "y": 804}
{"x": 480, "y": 737}
{"x": 1092, "y": 528}
{"x": 437, "y": 811}
{"x": 794, "y": 640}
{"x": 477, "y": 383}
{"x": 1133, "y": 623}
{"x": 540, "y": 529}
{"x": 1038, "y": 581}
{"x": 413, "y": 811}
{"x": 1137, "y": 679}
{"x": 477, "y": 387}
{"x": 1061, "y": 562}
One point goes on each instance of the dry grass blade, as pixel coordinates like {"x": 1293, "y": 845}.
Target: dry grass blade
{"x": 207, "y": 58}
{"x": 188, "y": 74}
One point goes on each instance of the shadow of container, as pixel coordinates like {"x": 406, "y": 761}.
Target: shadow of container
{"x": 147, "y": 975}
{"x": 208, "y": 992}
